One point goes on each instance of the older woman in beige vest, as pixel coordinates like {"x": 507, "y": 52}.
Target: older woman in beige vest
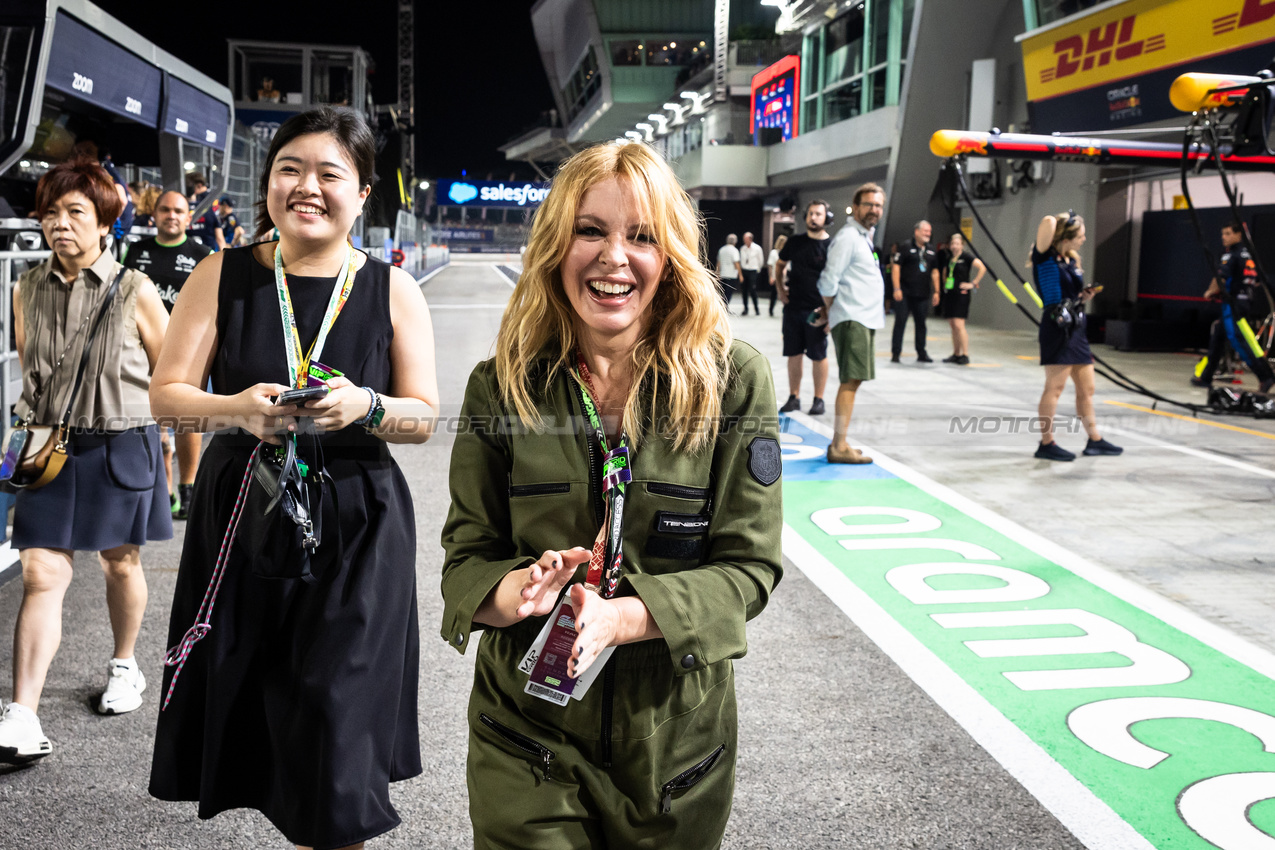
{"x": 110, "y": 496}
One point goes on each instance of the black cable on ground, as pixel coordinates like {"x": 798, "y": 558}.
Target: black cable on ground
{"x": 1108, "y": 371}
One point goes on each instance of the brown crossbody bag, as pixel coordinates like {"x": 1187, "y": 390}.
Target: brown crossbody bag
{"x": 35, "y": 454}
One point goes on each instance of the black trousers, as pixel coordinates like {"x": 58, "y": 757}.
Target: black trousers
{"x": 919, "y": 307}
{"x": 729, "y": 284}
{"x": 749, "y": 289}
{"x": 1220, "y": 341}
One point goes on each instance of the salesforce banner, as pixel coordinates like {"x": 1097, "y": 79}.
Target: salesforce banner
{"x": 490, "y": 193}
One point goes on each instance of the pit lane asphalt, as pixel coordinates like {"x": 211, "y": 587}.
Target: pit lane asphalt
{"x": 838, "y": 748}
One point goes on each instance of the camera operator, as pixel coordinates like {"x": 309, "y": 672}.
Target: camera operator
{"x": 1236, "y": 287}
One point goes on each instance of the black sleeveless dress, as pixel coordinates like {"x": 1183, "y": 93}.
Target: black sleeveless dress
{"x": 301, "y": 700}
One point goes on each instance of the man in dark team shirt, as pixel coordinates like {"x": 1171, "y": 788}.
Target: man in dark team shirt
{"x": 803, "y": 257}
{"x": 1236, "y": 287}
{"x": 915, "y": 276}
{"x": 228, "y": 228}
{"x": 205, "y": 227}
{"x": 168, "y": 258}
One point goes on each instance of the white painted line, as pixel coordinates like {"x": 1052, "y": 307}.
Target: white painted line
{"x": 1154, "y": 441}
{"x": 1076, "y": 807}
{"x": 426, "y": 278}
{"x": 10, "y": 566}
{"x": 1210, "y": 456}
{"x": 495, "y": 267}
{"x": 1170, "y": 612}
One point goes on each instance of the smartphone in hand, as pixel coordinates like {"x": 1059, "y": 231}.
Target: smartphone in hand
{"x": 300, "y": 395}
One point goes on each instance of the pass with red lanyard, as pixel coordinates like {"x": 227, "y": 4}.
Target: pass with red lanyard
{"x": 547, "y": 659}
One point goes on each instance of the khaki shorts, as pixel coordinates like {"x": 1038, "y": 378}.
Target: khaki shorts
{"x": 856, "y": 351}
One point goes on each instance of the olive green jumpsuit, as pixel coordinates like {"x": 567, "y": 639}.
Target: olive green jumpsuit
{"x": 647, "y": 758}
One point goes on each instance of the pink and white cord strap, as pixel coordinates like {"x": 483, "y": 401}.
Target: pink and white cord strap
{"x": 203, "y": 620}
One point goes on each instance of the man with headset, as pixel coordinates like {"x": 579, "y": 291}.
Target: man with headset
{"x": 804, "y": 257}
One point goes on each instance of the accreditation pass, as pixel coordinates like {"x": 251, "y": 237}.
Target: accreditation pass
{"x": 546, "y": 660}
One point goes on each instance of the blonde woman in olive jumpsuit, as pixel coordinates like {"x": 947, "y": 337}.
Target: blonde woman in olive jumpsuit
{"x": 613, "y": 311}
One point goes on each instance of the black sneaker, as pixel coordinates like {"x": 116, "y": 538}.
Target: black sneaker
{"x": 793, "y": 403}
{"x": 187, "y": 495}
{"x": 963, "y": 360}
{"x": 1200, "y": 382}
{"x": 923, "y": 358}
{"x": 1101, "y": 447}
{"x": 816, "y": 407}
{"x": 955, "y": 358}
{"x": 894, "y": 358}
{"x": 1053, "y": 451}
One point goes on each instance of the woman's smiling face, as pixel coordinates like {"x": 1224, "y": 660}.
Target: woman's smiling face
{"x": 613, "y": 266}
{"x": 315, "y": 192}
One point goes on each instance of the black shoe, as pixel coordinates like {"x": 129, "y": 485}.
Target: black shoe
{"x": 963, "y": 360}
{"x": 955, "y": 358}
{"x": 187, "y": 492}
{"x": 1101, "y": 447}
{"x": 1200, "y": 382}
{"x": 816, "y": 407}
{"x": 923, "y": 358}
{"x": 894, "y": 358}
{"x": 1053, "y": 451}
{"x": 793, "y": 403}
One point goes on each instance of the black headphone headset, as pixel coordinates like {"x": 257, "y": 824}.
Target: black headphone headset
{"x": 827, "y": 211}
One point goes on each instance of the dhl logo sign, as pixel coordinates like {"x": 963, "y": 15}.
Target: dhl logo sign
{"x": 1139, "y": 36}
{"x": 1099, "y": 47}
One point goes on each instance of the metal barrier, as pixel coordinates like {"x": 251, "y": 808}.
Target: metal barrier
{"x": 10, "y": 371}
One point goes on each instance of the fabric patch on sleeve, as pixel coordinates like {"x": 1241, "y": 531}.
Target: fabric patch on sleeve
{"x": 765, "y": 460}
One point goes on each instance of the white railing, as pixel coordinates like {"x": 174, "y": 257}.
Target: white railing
{"x": 10, "y": 371}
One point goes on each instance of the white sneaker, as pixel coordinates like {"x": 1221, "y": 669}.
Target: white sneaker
{"x": 21, "y": 738}
{"x": 123, "y": 688}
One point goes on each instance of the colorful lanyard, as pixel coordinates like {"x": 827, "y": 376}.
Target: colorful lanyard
{"x": 298, "y": 363}
{"x": 608, "y": 550}
{"x": 951, "y": 273}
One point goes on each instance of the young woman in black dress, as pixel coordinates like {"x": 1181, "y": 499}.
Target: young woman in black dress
{"x": 300, "y": 701}
{"x": 1064, "y": 353}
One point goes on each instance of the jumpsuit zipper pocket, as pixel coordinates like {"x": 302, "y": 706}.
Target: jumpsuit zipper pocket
{"x": 522, "y": 742}
{"x": 688, "y": 779}
{"x": 678, "y": 491}
{"x": 516, "y": 490}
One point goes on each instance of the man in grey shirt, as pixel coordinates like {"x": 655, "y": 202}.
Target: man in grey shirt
{"x": 854, "y": 303}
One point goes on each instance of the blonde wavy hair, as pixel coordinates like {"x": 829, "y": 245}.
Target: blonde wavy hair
{"x": 682, "y": 358}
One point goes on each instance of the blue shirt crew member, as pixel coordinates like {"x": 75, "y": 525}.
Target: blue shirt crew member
{"x": 1064, "y": 350}
{"x": 1238, "y": 274}
{"x": 916, "y": 288}
{"x": 854, "y": 301}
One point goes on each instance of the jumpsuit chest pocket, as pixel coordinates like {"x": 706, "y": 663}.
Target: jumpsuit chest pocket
{"x": 676, "y": 530}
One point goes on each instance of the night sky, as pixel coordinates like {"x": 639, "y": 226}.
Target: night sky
{"x": 479, "y": 80}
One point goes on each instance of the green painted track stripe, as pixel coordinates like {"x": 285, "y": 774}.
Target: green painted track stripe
{"x": 1102, "y": 795}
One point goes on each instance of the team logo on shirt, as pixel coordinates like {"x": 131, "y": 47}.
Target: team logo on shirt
{"x": 185, "y": 264}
